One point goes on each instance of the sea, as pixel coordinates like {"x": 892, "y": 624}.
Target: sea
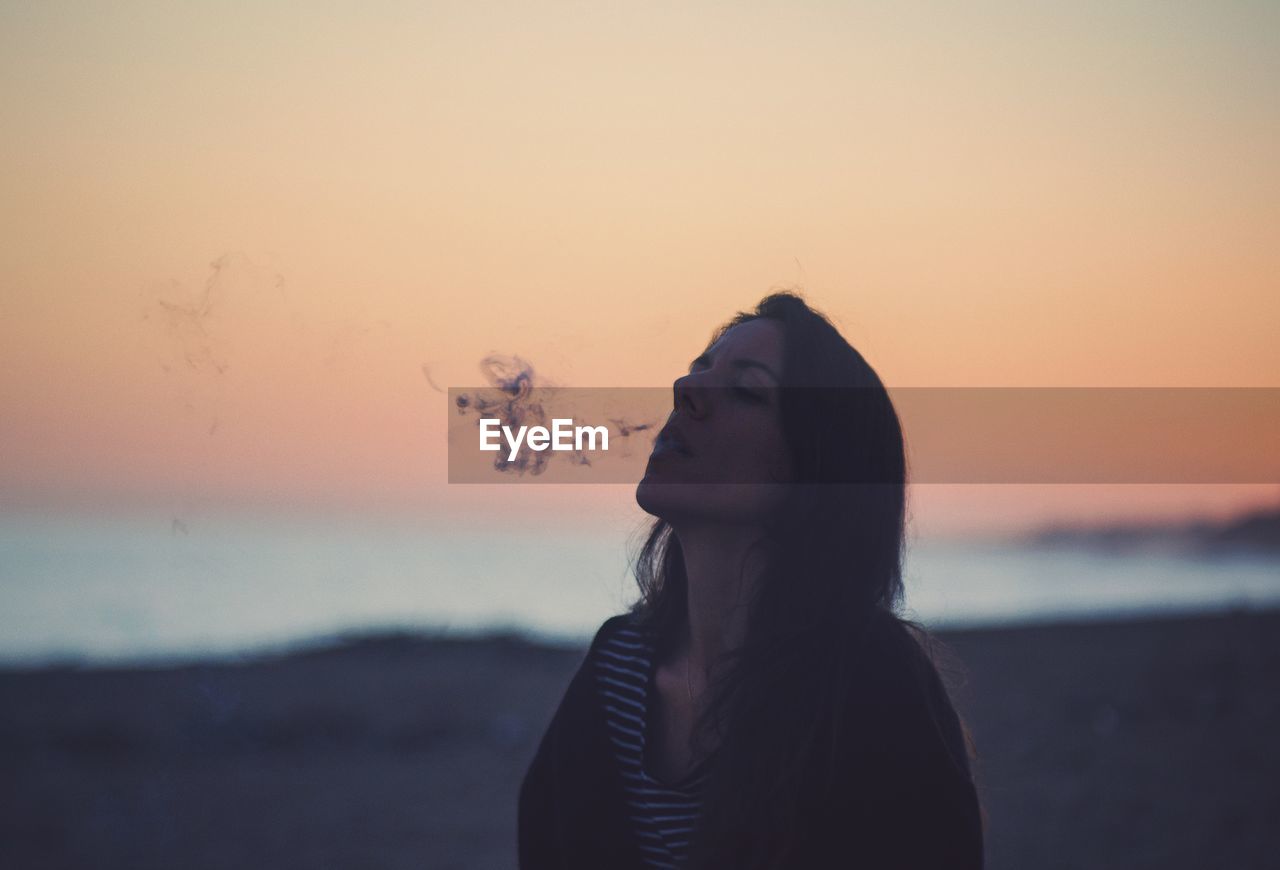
{"x": 91, "y": 589}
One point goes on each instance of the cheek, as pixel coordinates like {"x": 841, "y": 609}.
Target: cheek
{"x": 750, "y": 460}
{"x": 772, "y": 456}
{"x": 757, "y": 454}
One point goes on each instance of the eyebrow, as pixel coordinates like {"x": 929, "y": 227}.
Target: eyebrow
{"x": 705, "y": 359}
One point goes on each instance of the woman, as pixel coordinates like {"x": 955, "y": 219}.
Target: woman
{"x": 761, "y": 705}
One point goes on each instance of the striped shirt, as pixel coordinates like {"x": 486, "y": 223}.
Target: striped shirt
{"x": 661, "y": 814}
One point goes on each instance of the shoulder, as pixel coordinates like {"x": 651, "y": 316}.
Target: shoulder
{"x": 579, "y": 712}
{"x": 906, "y": 756}
{"x": 578, "y": 705}
{"x": 899, "y": 677}
{"x": 622, "y": 627}
{"x": 560, "y": 812}
{"x": 904, "y": 658}
{"x": 618, "y": 622}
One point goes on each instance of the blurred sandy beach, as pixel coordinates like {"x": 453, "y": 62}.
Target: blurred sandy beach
{"x": 1113, "y": 744}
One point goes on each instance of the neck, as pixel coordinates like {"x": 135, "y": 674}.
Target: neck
{"x": 723, "y": 570}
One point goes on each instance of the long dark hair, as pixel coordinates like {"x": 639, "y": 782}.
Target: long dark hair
{"x": 832, "y": 583}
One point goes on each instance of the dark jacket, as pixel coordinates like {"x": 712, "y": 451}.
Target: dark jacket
{"x": 907, "y": 804}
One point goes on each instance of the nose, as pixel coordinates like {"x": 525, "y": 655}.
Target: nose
{"x": 690, "y": 396}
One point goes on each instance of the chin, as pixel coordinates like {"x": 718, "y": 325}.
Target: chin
{"x": 720, "y": 503}
{"x": 653, "y": 497}
{"x": 668, "y": 499}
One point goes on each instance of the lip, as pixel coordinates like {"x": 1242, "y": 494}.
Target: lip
{"x": 670, "y": 440}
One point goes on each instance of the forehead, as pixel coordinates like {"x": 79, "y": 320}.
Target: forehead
{"x": 759, "y": 339}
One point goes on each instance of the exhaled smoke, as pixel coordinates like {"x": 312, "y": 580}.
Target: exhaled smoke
{"x": 426, "y": 371}
{"x": 625, "y": 428}
{"x": 516, "y": 399}
{"x": 203, "y": 330}
{"x": 187, "y": 321}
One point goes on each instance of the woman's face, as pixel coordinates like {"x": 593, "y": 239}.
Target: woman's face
{"x": 728, "y": 418}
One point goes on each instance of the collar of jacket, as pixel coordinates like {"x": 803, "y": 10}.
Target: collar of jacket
{"x": 571, "y": 808}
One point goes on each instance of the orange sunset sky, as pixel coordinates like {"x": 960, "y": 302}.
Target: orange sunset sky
{"x": 234, "y": 233}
